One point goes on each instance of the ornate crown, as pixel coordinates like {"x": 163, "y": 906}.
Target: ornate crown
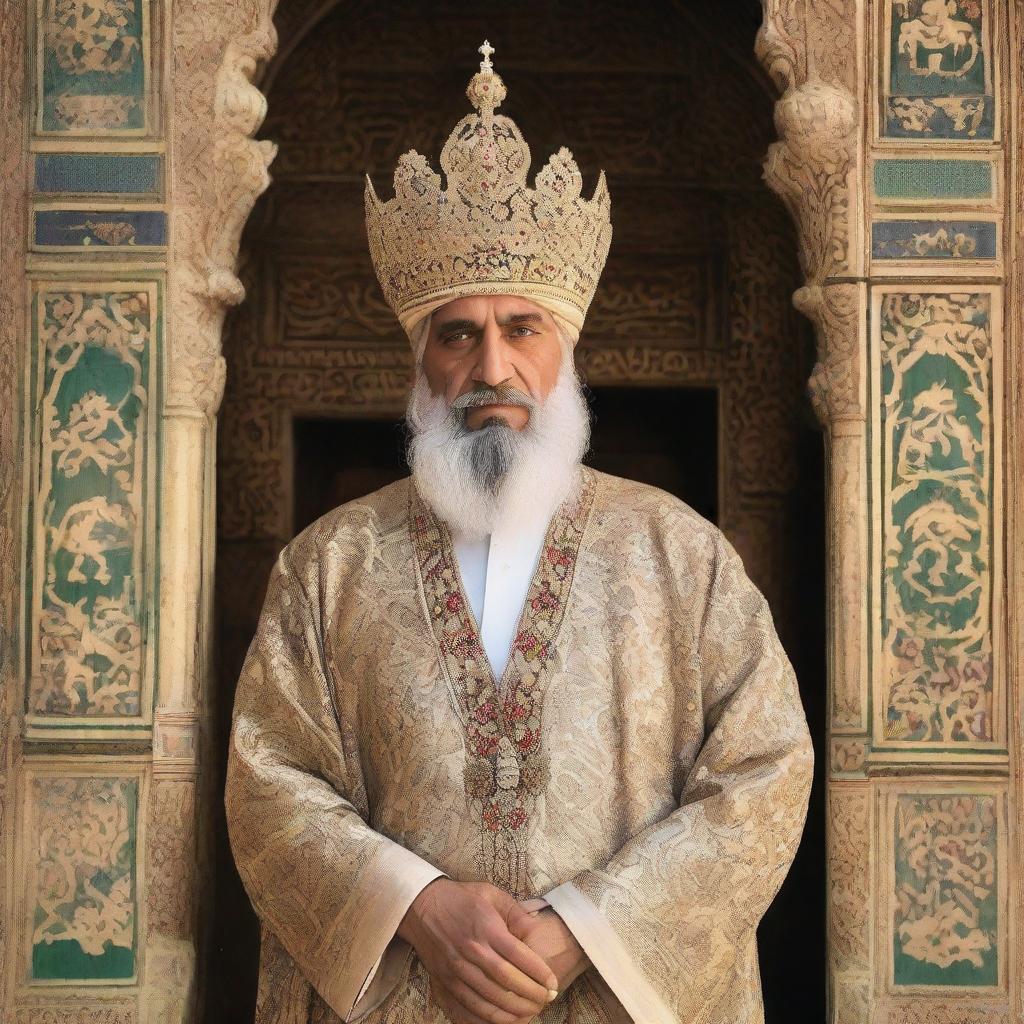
{"x": 487, "y": 232}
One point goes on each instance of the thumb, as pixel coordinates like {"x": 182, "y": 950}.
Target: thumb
{"x": 518, "y": 920}
{"x": 532, "y": 906}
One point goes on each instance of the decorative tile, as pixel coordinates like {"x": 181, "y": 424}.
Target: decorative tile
{"x": 102, "y": 229}
{"x": 99, "y": 173}
{"x": 936, "y": 181}
{"x": 82, "y": 898}
{"x": 937, "y": 70}
{"x": 935, "y": 377}
{"x": 946, "y": 903}
{"x": 933, "y": 240}
{"x": 94, "y": 559}
{"x": 93, "y": 66}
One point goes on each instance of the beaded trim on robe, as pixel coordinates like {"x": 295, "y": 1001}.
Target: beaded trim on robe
{"x": 505, "y": 765}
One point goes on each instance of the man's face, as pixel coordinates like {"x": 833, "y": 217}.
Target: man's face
{"x": 486, "y": 340}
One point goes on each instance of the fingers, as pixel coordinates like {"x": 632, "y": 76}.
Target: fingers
{"x": 501, "y": 997}
{"x": 532, "y": 964}
{"x": 500, "y": 969}
{"x": 475, "y": 1008}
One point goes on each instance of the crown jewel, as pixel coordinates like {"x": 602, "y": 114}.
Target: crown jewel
{"x": 487, "y": 231}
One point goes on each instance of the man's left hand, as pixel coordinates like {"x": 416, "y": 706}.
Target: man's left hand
{"x": 540, "y": 927}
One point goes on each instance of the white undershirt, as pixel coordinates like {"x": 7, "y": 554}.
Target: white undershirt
{"x": 496, "y": 573}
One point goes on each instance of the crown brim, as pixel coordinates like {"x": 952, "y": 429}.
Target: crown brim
{"x": 552, "y": 299}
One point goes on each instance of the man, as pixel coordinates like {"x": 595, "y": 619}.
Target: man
{"x": 515, "y": 739}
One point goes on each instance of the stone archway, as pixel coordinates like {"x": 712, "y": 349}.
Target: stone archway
{"x": 900, "y": 157}
{"x": 696, "y": 293}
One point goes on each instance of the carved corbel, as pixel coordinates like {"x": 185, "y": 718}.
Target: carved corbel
{"x": 837, "y": 382}
{"x": 215, "y": 187}
{"x": 240, "y": 163}
{"x": 811, "y": 169}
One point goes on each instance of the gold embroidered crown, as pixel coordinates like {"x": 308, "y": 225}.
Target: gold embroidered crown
{"x": 487, "y": 232}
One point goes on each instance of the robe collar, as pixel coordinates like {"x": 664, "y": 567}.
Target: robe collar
{"x": 505, "y": 764}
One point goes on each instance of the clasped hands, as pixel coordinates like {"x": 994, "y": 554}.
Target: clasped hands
{"x": 490, "y": 958}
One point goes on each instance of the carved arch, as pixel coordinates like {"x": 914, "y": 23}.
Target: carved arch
{"x": 219, "y": 171}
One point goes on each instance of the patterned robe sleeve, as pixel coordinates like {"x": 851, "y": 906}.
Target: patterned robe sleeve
{"x": 331, "y": 889}
{"x": 670, "y": 921}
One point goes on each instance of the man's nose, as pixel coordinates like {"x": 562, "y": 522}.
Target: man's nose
{"x": 492, "y": 365}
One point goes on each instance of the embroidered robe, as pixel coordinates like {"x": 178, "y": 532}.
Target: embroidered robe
{"x": 647, "y": 768}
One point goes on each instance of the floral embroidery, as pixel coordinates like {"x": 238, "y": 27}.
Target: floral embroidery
{"x": 505, "y": 766}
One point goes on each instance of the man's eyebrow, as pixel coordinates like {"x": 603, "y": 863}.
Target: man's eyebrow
{"x": 522, "y": 318}
{"x": 457, "y": 325}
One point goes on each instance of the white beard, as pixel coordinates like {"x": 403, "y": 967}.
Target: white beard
{"x": 543, "y": 459}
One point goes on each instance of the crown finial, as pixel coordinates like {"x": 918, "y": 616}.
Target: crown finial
{"x": 485, "y": 65}
{"x": 486, "y": 90}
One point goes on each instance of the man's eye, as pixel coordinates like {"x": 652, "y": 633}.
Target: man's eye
{"x": 457, "y": 337}
{"x": 528, "y": 330}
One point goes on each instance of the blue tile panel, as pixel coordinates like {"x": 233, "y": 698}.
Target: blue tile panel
{"x": 103, "y": 173}
{"x": 933, "y": 240}
{"x": 100, "y": 228}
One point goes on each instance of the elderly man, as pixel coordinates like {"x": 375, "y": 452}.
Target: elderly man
{"x": 515, "y": 739}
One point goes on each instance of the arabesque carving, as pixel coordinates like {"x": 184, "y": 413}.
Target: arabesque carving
{"x": 812, "y": 55}
{"x": 71, "y": 1011}
{"x": 780, "y": 45}
{"x": 849, "y": 812}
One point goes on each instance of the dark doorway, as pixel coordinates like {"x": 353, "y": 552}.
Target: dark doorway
{"x": 661, "y": 436}
{"x": 338, "y": 460}
{"x": 693, "y": 314}
{"x": 667, "y": 437}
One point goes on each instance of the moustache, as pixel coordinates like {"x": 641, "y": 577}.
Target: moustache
{"x": 498, "y": 394}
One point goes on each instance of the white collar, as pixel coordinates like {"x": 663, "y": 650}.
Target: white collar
{"x": 496, "y": 573}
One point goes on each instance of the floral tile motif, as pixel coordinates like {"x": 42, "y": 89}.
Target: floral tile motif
{"x": 934, "y": 416}
{"x": 946, "y": 899}
{"x": 938, "y": 70}
{"x": 83, "y": 895}
{"x": 93, "y": 66}
{"x": 92, "y": 394}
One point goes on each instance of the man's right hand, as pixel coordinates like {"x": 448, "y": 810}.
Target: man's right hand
{"x": 480, "y": 972}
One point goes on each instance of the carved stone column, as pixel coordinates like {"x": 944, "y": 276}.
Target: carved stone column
{"x": 889, "y": 167}
{"x": 218, "y": 173}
